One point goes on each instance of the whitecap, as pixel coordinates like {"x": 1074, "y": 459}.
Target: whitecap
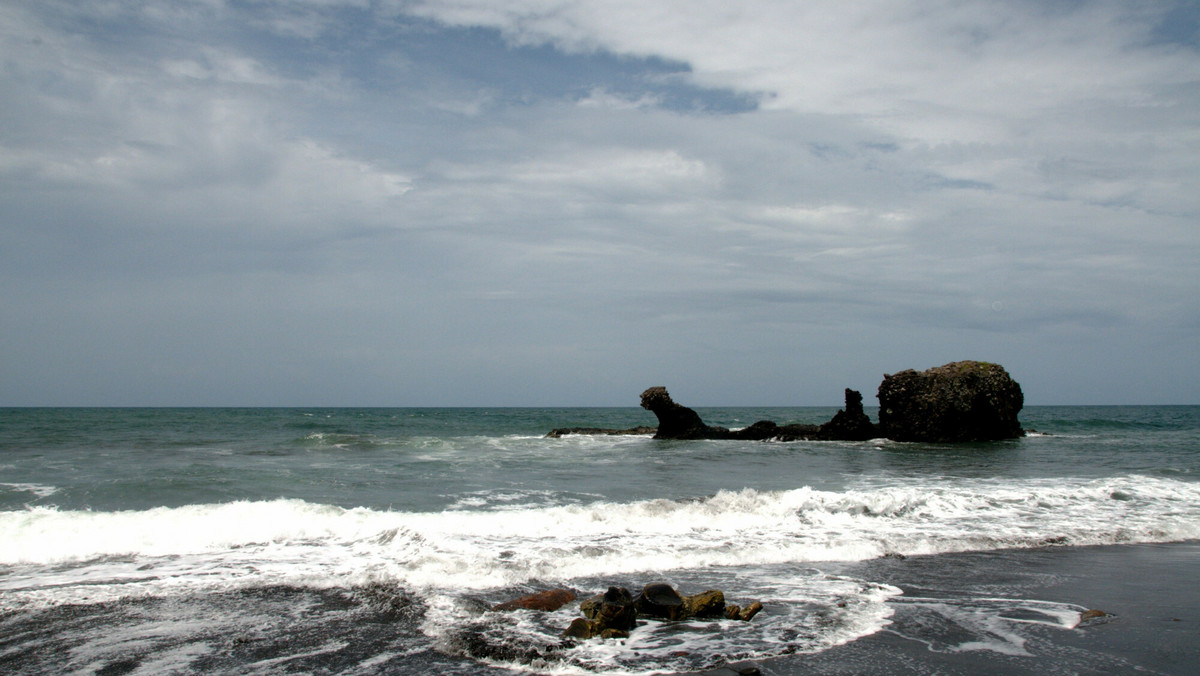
{"x": 498, "y": 545}
{"x": 40, "y": 490}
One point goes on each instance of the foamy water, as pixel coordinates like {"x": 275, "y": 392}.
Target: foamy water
{"x": 731, "y": 527}
{"x": 334, "y": 520}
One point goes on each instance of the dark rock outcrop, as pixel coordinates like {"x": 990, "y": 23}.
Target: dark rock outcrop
{"x": 477, "y": 643}
{"x": 959, "y": 401}
{"x": 675, "y": 421}
{"x": 765, "y": 430}
{"x": 850, "y": 423}
{"x": 733, "y": 612}
{"x": 680, "y": 422}
{"x": 738, "y": 669}
{"x": 660, "y": 600}
{"x": 609, "y": 615}
{"x": 549, "y": 601}
{"x": 709, "y": 603}
{"x": 600, "y": 431}
{"x": 614, "y": 613}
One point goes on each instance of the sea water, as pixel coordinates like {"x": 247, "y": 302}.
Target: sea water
{"x": 374, "y": 541}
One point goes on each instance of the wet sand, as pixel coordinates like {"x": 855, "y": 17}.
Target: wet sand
{"x": 962, "y": 614}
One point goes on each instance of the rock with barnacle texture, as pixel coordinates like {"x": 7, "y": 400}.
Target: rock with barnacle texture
{"x": 959, "y": 401}
{"x": 709, "y": 603}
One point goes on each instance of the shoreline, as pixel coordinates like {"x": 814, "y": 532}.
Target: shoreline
{"x": 1147, "y": 592}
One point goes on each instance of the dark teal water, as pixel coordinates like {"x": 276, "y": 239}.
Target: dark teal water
{"x": 427, "y": 459}
{"x": 201, "y": 527}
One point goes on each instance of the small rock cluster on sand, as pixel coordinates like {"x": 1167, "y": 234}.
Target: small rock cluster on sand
{"x": 615, "y": 613}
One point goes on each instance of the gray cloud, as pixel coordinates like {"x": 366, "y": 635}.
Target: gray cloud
{"x": 468, "y": 203}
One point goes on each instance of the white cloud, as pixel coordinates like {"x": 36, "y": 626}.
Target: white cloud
{"x": 196, "y": 138}
{"x": 327, "y": 182}
{"x": 223, "y": 67}
{"x": 600, "y": 98}
{"x": 615, "y": 168}
{"x": 928, "y": 71}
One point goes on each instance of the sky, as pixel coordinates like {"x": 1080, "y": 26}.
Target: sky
{"x": 563, "y": 202}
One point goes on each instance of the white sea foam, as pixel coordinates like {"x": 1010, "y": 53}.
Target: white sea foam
{"x": 755, "y": 545}
{"x": 805, "y": 611}
{"x": 991, "y": 624}
{"x": 36, "y": 489}
{"x": 292, "y": 541}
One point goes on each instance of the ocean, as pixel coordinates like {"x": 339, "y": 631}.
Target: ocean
{"x": 376, "y": 540}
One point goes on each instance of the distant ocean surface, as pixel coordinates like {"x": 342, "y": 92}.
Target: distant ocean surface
{"x": 372, "y": 540}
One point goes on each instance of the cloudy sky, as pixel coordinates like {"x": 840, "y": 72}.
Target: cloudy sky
{"x": 545, "y": 202}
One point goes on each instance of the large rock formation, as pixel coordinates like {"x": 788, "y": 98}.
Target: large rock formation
{"x": 675, "y": 421}
{"x": 850, "y": 423}
{"x": 680, "y": 422}
{"x": 960, "y": 401}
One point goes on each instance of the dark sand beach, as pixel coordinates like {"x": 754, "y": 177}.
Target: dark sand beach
{"x": 1148, "y": 592}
